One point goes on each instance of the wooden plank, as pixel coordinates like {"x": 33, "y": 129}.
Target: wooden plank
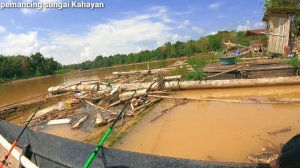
{"x": 277, "y": 35}
{"x": 288, "y": 28}
{"x": 271, "y": 39}
{"x": 279, "y": 28}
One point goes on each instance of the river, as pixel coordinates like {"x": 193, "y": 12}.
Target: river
{"x": 195, "y": 130}
{"x": 23, "y": 89}
{"x": 216, "y": 131}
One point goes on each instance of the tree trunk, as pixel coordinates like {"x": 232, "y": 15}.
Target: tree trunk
{"x": 189, "y": 85}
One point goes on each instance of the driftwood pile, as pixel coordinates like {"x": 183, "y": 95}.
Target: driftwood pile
{"x": 99, "y": 103}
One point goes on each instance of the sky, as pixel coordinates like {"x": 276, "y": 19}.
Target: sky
{"x": 73, "y": 35}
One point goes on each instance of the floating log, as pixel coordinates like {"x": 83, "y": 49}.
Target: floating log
{"x": 246, "y": 101}
{"x": 170, "y": 78}
{"x": 99, "y": 120}
{"x": 83, "y": 87}
{"x": 168, "y": 109}
{"x": 147, "y": 105}
{"x": 283, "y": 130}
{"x": 85, "y": 96}
{"x": 16, "y": 154}
{"x": 21, "y": 101}
{"x": 79, "y": 122}
{"x": 189, "y": 85}
{"x": 159, "y": 92}
{"x": 59, "y": 121}
{"x": 48, "y": 115}
{"x": 128, "y": 95}
{"x": 44, "y": 111}
{"x": 116, "y": 89}
{"x": 115, "y": 103}
{"x": 144, "y": 72}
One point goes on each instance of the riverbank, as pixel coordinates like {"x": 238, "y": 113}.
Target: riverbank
{"x": 25, "y": 79}
{"x": 66, "y": 72}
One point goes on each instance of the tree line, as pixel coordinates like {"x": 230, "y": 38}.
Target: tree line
{"x": 168, "y": 50}
{"x": 291, "y": 4}
{"x": 15, "y": 67}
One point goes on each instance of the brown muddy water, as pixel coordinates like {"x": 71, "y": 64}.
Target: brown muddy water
{"x": 195, "y": 130}
{"x": 216, "y": 131}
{"x": 23, "y": 89}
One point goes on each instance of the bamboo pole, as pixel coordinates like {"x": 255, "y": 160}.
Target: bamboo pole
{"x": 147, "y": 105}
{"x": 170, "y": 78}
{"x": 247, "y": 101}
{"x": 221, "y": 73}
{"x": 168, "y": 109}
{"x": 21, "y": 101}
{"x": 16, "y": 154}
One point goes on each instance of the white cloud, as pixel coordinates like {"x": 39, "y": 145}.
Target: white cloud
{"x": 212, "y": 33}
{"x": 248, "y": 25}
{"x": 120, "y": 36}
{"x": 175, "y": 37}
{"x": 214, "y": 5}
{"x": 198, "y": 30}
{"x": 259, "y": 25}
{"x": 187, "y": 37}
{"x": 184, "y": 24}
{"x": 132, "y": 34}
{"x": 135, "y": 32}
{"x": 14, "y": 44}
{"x": 2, "y": 29}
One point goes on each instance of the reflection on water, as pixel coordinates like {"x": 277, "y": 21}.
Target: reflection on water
{"x": 22, "y": 89}
{"x": 218, "y": 131}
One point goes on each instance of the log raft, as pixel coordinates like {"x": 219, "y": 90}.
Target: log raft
{"x": 188, "y": 85}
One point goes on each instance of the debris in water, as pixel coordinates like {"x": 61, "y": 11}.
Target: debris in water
{"x": 268, "y": 153}
{"x": 283, "y": 130}
{"x": 79, "y": 122}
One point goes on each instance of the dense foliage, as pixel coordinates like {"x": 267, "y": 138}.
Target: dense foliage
{"x": 294, "y": 62}
{"x": 168, "y": 50}
{"x": 14, "y": 67}
{"x": 294, "y": 4}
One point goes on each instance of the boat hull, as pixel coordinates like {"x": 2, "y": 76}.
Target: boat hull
{"x": 51, "y": 151}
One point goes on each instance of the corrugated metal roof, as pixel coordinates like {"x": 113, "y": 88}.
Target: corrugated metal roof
{"x": 255, "y": 32}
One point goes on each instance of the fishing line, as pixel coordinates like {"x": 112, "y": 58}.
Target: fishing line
{"x": 19, "y": 136}
{"x": 103, "y": 139}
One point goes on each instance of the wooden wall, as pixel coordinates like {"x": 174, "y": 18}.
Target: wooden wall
{"x": 279, "y": 31}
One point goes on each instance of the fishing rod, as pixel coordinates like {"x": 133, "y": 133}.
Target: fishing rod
{"x": 107, "y": 133}
{"x": 19, "y": 136}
